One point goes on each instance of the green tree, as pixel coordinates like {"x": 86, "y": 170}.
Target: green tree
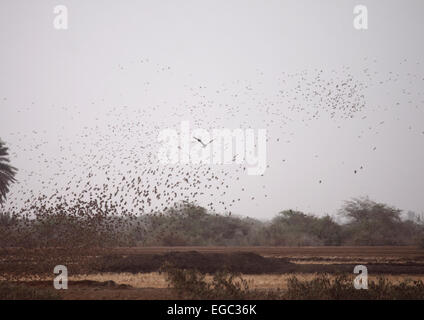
{"x": 294, "y": 228}
{"x": 7, "y": 172}
{"x": 372, "y": 223}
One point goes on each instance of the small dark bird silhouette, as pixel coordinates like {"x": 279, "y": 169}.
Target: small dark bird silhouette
{"x": 203, "y": 144}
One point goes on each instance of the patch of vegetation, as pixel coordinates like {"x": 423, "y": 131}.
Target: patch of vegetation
{"x": 7, "y": 172}
{"x": 191, "y": 284}
{"x": 294, "y": 228}
{"x": 14, "y": 291}
{"x": 421, "y": 242}
{"x": 374, "y": 224}
{"x": 323, "y": 287}
{"x": 365, "y": 223}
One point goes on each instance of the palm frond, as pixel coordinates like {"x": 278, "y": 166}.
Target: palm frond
{"x": 7, "y": 172}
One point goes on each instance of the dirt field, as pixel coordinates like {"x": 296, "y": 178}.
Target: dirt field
{"x": 290, "y": 252}
{"x": 132, "y": 273}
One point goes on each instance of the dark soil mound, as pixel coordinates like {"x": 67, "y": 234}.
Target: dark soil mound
{"x": 243, "y": 262}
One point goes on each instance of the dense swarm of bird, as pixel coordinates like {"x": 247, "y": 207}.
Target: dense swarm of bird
{"x": 102, "y": 179}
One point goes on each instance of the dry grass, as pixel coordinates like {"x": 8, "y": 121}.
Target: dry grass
{"x": 138, "y": 280}
{"x": 269, "y": 281}
{"x": 348, "y": 261}
{"x": 154, "y": 286}
{"x": 264, "y": 281}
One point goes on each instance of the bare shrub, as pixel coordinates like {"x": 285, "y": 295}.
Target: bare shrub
{"x": 341, "y": 288}
{"x": 191, "y": 284}
{"x": 15, "y": 291}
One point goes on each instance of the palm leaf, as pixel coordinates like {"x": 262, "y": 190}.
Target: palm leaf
{"x": 7, "y": 172}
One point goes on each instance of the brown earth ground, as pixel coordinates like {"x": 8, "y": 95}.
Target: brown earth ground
{"x": 132, "y": 273}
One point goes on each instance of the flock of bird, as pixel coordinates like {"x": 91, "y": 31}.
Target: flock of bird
{"x": 109, "y": 167}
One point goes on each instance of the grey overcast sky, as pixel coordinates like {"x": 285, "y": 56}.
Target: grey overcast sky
{"x": 234, "y": 64}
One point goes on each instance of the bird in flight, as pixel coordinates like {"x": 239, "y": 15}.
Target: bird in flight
{"x": 203, "y": 144}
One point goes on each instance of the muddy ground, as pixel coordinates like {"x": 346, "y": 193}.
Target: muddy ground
{"x": 34, "y": 268}
{"x": 247, "y": 263}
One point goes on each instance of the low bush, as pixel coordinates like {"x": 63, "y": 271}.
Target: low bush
{"x": 15, "y": 291}
{"x": 341, "y": 287}
{"x": 191, "y": 284}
